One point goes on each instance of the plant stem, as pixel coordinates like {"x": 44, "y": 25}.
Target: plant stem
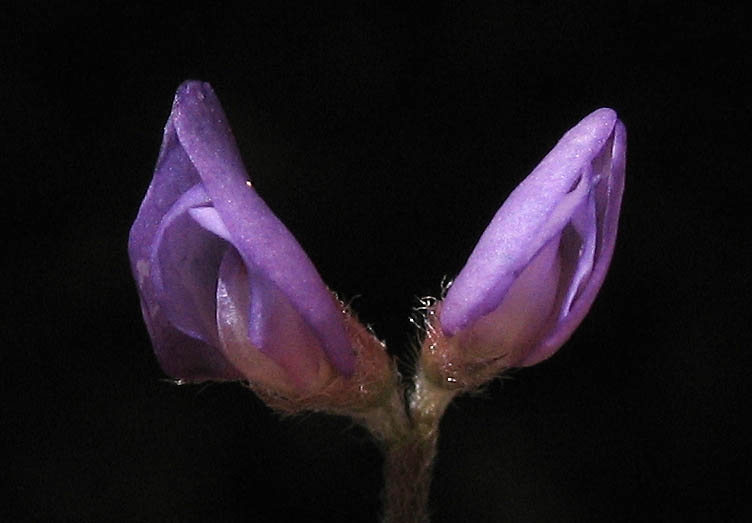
{"x": 409, "y": 456}
{"x": 407, "y": 479}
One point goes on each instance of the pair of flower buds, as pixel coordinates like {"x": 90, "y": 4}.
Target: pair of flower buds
{"x": 227, "y": 293}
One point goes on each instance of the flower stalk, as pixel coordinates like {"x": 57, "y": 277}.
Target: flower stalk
{"x": 408, "y": 468}
{"x": 410, "y": 451}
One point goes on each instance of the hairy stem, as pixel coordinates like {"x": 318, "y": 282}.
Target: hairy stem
{"x": 409, "y": 455}
{"x": 407, "y": 479}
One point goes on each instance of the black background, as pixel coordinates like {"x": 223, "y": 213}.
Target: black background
{"x": 385, "y": 138}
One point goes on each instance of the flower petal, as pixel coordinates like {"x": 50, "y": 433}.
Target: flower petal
{"x": 181, "y": 355}
{"x": 582, "y": 250}
{"x": 513, "y": 327}
{"x": 262, "y": 241}
{"x": 274, "y": 326}
{"x": 296, "y": 361}
{"x": 610, "y": 169}
{"x": 185, "y": 260}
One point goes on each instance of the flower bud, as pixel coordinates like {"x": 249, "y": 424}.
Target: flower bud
{"x": 227, "y": 292}
{"x": 538, "y": 266}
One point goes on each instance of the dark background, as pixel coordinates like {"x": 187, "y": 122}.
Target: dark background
{"x": 385, "y": 138}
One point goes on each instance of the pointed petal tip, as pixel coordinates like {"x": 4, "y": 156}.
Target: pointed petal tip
{"x": 603, "y": 115}
{"x": 603, "y": 112}
{"x": 196, "y": 105}
{"x": 191, "y": 90}
{"x": 596, "y": 126}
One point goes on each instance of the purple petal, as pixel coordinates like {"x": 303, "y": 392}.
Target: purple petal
{"x": 269, "y": 251}
{"x": 608, "y": 196}
{"x": 233, "y": 303}
{"x": 583, "y": 231}
{"x": 182, "y": 355}
{"x": 275, "y": 325}
{"x": 562, "y": 201}
{"x": 513, "y": 327}
{"x": 185, "y": 259}
{"x": 209, "y": 219}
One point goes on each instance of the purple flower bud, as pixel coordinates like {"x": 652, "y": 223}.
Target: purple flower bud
{"x": 536, "y": 269}
{"x": 226, "y": 291}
